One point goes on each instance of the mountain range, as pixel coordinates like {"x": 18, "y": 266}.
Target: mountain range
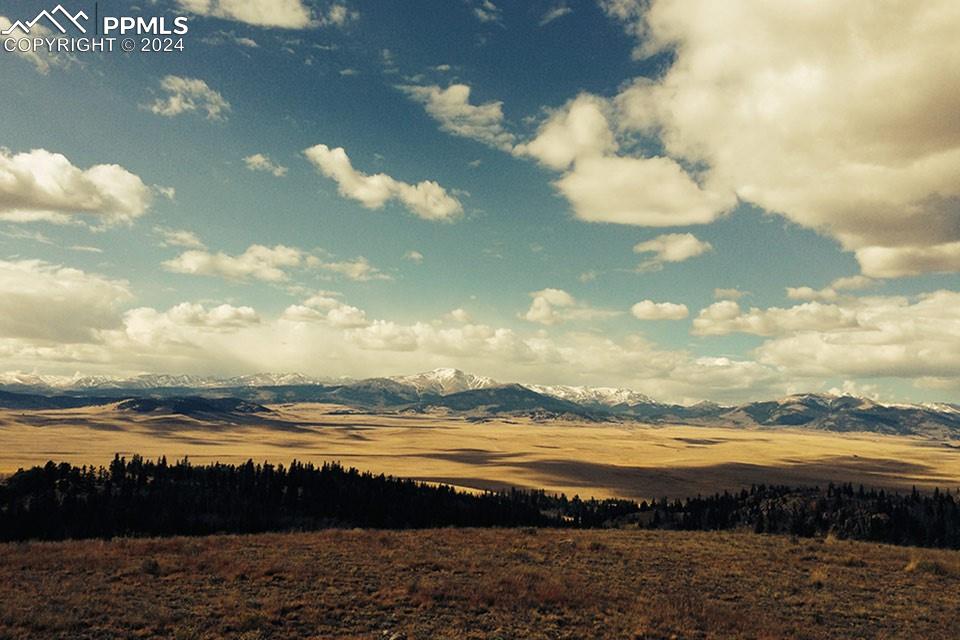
{"x": 478, "y": 397}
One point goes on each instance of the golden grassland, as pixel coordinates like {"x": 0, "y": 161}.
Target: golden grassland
{"x": 469, "y": 583}
{"x": 590, "y": 459}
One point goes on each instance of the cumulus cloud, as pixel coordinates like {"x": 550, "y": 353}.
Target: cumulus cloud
{"x": 185, "y": 95}
{"x": 894, "y": 336}
{"x": 413, "y": 256}
{"x": 426, "y": 199}
{"x": 728, "y": 293}
{"x": 604, "y": 187}
{"x": 832, "y": 292}
{"x": 554, "y": 306}
{"x": 671, "y": 247}
{"x": 261, "y": 162}
{"x": 459, "y": 315}
{"x": 579, "y": 131}
{"x": 726, "y": 317}
{"x": 358, "y": 269}
{"x": 338, "y": 15}
{"x": 285, "y": 14}
{"x": 800, "y": 110}
{"x": 258, "y": 262}
{"x": 225, "y": 339}
{"x": 222, "y": 317}
{"x": 178, "y": 238}
{"x": 452, "y": 109}
{"x": 648, "y": 192}
{"x": 328, "y": 309}
{"x": 42, "y": 185}
{"x": 896, "y": 262}
{"x": 650, "y": 310}
{"x": 49, "y": 302}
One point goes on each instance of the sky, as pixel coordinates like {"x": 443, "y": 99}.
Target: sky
{"x": 698, "y": 200}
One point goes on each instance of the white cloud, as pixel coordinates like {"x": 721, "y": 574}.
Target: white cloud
{"x": 896, "y": 262}
{"x": 178, "y": 238}
{"x": 413, "y": 256}
{"x": 486, "y": 11}
{"x": 426, "y": 199}
{"x": 186, "y": 329}
{"x": 224, "y": 316}
{"x": 604, "y": 187}
{"x": 258, "y": 262}
{"x": 459, "y": 315}
{"x": 728, "y": 294}
{"x": 338, "y": 15}
{"x": 358, "y": 269}
{"x": 325, "y": 308}
{"x": 556, "y": 12}
{"x": 452, "y": 109}
{"x": 41, "y": 185}
{"x": 894, "y": 336}
{"x": 229, "y": 339}
{"x": 671, "y": 247}
{"x": 48, "y": 302}
{"x": 578, "y": 131}
{"x": 726, "y": 317}
{"x": 347, "y": 317}
{"x": 185, "y": 95}
{"x": 543, "y": 309}
{"x": 554, "y": 306}
{"x": 833, "y": 292}
{"x": 648, "y": 192}
{"x": 261, "y": 162}
{"x": 650, "y": 310}
{"x": 801, "y": 111}
{"x": 221, "y": 37}
{"x": 285, "y": 14}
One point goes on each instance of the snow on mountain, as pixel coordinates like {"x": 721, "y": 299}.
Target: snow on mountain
{"x": 279, "y": 380}
{"x": 158, "y": 381}
{"x": 445, "y": 381}
{"x": 602, "y": 396}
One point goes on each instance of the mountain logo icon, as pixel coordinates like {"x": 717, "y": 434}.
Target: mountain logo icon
{"x": 65, "y": 15}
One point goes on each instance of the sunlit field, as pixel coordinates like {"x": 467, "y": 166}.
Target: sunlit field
{"x": 590, "y": 459}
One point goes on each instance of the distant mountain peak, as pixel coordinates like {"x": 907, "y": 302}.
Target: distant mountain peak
{"x": 600, "y": 396}
{"x": 444, "y": 381}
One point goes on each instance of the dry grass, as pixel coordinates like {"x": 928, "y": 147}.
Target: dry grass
{"x": 603, "y": 460}
{"x": 508, "y": 584}
{"x": 935, "y": 562}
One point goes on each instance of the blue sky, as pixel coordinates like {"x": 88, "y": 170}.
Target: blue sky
{"x": 522, "y": 161}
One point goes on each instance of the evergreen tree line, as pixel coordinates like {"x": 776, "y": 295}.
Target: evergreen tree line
{"x": 139, "y": 497}
{"x": 915, "y": 519}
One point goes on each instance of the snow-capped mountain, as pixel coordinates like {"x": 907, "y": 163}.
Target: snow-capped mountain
{"x": 158, "y": 381}
{"x": 597, "y": 396}
{"x": 445, "y": 381}
{"x": 455, "y": 390}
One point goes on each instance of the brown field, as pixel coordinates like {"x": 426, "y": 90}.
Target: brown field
{"x": 508, "y": 584}
{"x": 590, "y": 459}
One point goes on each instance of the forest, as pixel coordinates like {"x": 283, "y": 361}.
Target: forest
{"x": 138, "y": 497}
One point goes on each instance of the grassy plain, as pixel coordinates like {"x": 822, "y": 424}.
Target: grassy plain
{"x": 590, "y": 459}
